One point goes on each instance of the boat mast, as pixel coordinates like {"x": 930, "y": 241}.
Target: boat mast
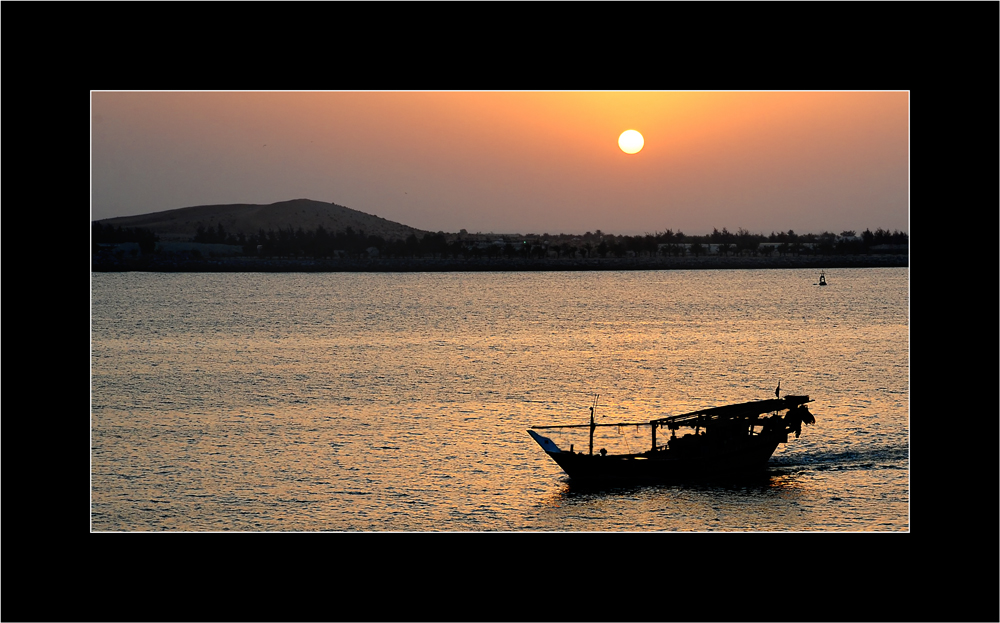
{"x": 592, "y": 425}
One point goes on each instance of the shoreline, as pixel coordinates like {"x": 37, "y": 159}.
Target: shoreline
{"x": 282, "y": 265}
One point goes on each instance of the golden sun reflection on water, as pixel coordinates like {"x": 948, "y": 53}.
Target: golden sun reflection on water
{"x": 400, "y": 401}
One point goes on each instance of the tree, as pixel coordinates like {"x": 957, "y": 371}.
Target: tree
{"x": 434, "y": 244}
{"x": 321, "y": 243}
{"x": 745, "y": 241}
{"x": 412, "y": 245}
{"x": 867, "y": 240}
{"x": 147, "y": 240}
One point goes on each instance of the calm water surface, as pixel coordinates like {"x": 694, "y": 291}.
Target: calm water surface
{"x": 399, "y": 402}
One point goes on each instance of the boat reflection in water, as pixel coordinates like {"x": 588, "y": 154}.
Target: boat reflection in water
{"x": 731, "y": 441}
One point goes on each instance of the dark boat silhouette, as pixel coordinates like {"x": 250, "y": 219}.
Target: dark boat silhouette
{"x": 727, "y": 441}
{"x": 822, "y": 279}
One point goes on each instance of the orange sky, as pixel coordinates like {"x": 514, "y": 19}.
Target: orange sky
{"x": 505, "y": 162}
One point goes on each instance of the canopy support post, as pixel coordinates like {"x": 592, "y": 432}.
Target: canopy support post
{"x": 592, "y": 431}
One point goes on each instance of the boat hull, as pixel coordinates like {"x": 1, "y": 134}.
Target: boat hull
{"x": 747, "y": 458}
{"x": 729, "y": 441}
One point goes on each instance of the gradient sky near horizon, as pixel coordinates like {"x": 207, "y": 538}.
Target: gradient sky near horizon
{"x": 516, "y": 162}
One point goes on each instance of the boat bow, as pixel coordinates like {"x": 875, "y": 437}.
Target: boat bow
{"x": 547, "y": 444}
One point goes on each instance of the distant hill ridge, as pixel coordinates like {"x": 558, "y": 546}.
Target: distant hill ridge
{"x": 183, "y": 223}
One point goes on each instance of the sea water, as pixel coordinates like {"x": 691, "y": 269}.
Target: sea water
{"x": 400, "y": 401}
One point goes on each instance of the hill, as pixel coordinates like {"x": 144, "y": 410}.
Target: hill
{"x": 183, "y": 223}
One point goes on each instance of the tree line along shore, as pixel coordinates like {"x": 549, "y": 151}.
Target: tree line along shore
{"x": 116, "y": 249}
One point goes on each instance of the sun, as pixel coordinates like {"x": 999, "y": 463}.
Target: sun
{"x": 630, "y": 141}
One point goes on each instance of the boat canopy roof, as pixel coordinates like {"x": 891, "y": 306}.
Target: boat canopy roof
{"x": 701, "y": 417}
{"x": 743, "y": 410}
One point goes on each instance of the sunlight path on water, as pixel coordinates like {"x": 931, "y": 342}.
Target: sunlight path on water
{"x": 400, "y": 401}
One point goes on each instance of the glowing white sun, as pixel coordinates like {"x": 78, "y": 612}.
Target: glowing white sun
{"x": 630, "y": 141}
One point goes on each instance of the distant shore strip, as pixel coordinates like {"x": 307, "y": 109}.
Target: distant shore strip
{"x": 395, "y": 265}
